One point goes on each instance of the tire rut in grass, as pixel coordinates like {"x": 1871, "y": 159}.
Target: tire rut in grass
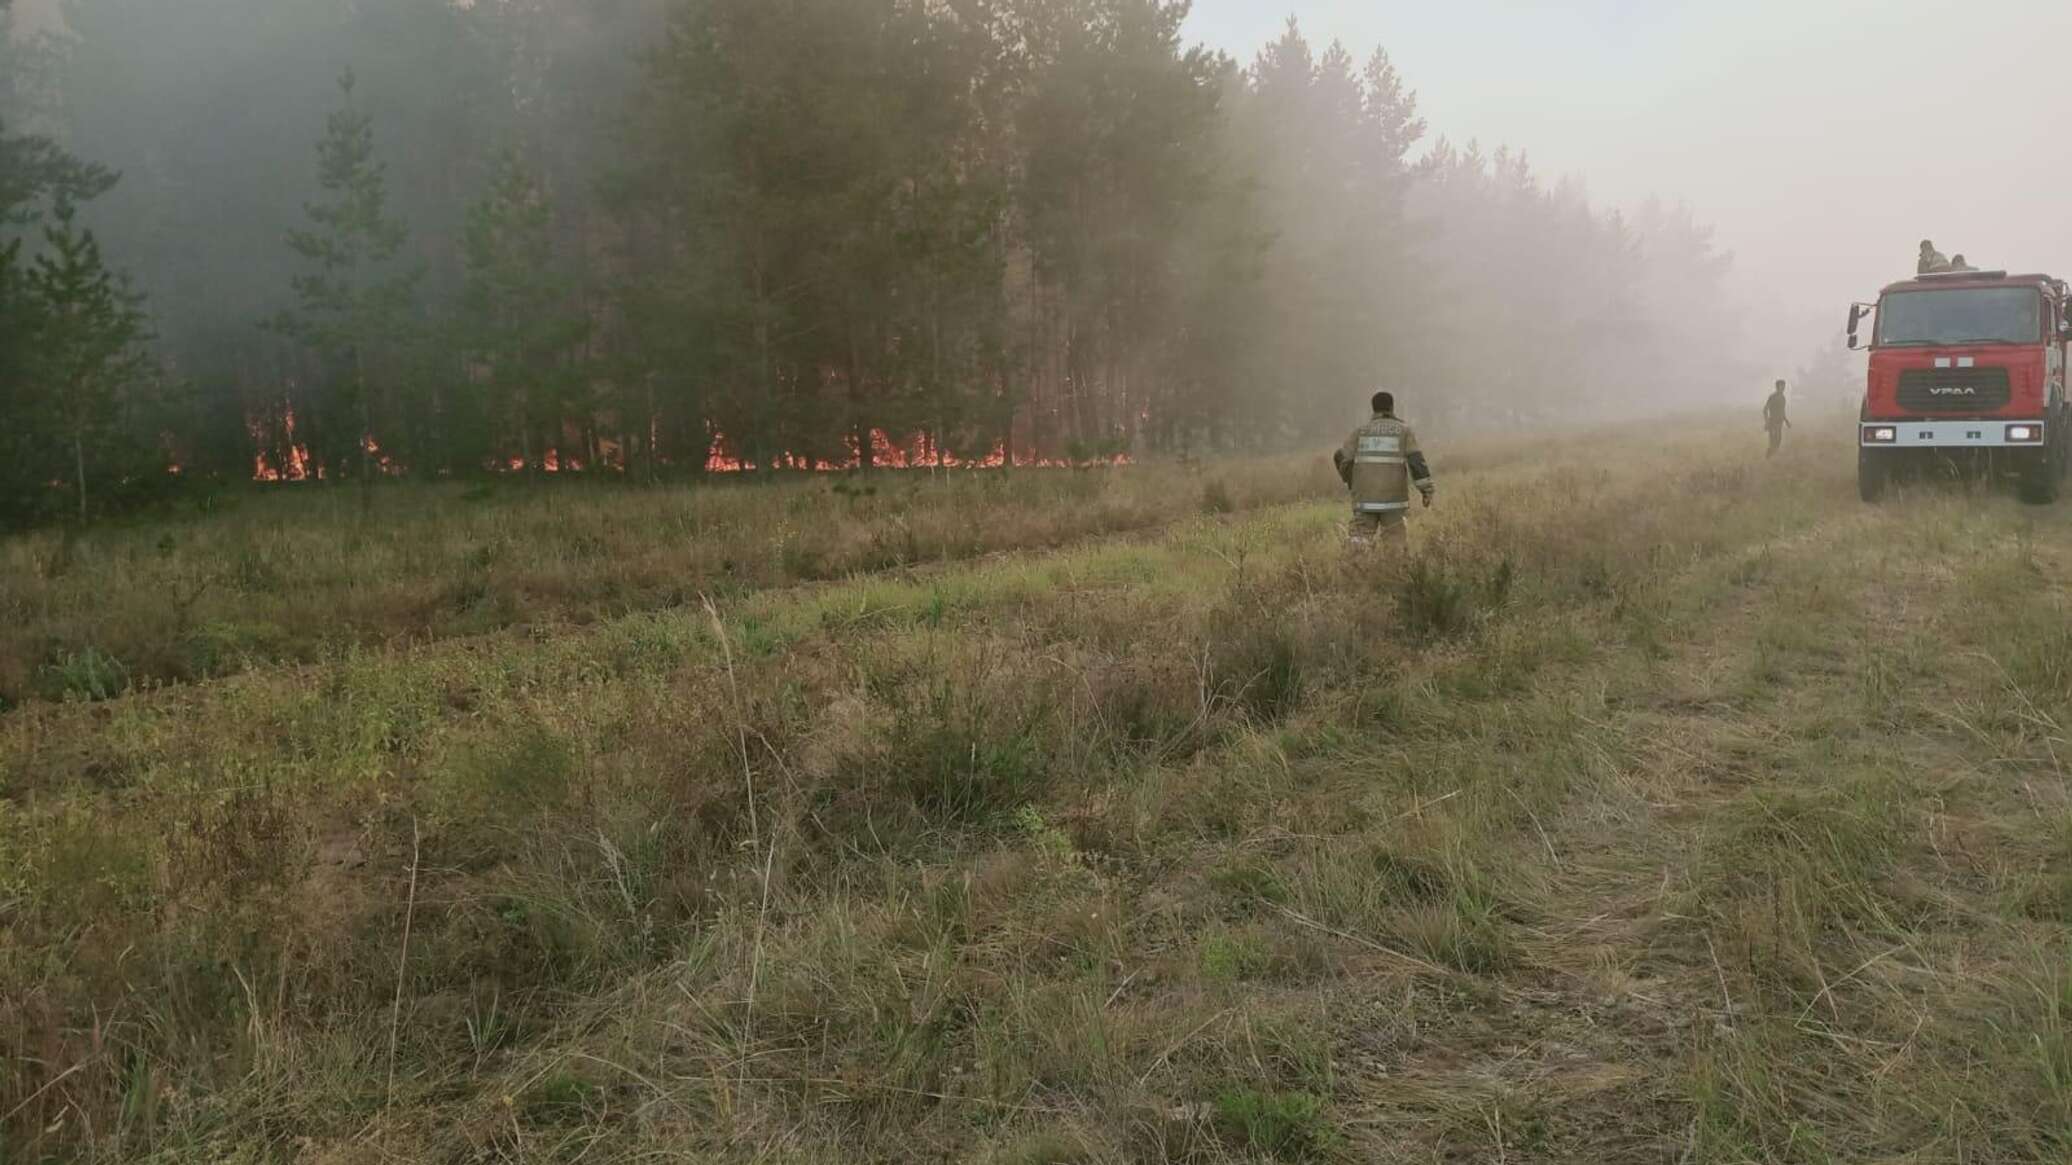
{"x": 1577, "y": 1051}
{"x": 1749, "y": 781}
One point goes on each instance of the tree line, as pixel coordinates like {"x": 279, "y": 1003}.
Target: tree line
{"x": 668, "y": 235}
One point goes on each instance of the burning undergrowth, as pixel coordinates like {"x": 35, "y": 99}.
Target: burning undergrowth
{"x": 283, "y": 453}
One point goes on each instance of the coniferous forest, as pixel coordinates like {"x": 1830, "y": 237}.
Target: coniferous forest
{"x": 316, "y": 240}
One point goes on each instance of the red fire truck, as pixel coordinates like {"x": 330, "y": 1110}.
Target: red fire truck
{"x": 1967, "y": 373}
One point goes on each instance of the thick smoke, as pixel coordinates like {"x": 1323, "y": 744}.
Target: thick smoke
{"x": 651, "y": 233}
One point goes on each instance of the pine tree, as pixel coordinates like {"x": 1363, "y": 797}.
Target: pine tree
{"x": 1119, "y": 125}
{"x": 35, "y": 176}
{"x": 518, "y": 323}
{"x": 88, "y": 341}
{"x": 355, "y": 304}
{"x": 1226, "y": 354}
{"x": 20, "y": 441}
{"x": 822, "y": 166}
{"x": 1329, "y": 142}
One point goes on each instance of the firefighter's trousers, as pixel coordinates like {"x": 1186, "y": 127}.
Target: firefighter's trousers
{"x": 1389, "y": 530}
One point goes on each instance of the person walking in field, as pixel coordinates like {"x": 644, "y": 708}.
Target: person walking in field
{"x": 1379, "y": 463}
{"x": 1774, "y": 418}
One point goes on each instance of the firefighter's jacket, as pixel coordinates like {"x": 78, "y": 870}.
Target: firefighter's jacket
{"x": 1380, "y": 462}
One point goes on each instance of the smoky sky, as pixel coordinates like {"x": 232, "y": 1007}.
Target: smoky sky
{"x": 1822, "y": 138}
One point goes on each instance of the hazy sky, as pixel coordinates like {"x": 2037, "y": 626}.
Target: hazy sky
{"x": 1823, "y": 138}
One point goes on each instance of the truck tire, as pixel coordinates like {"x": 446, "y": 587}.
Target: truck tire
{"x": 2040, "y": 477}
{"x": 1871, "y": 473}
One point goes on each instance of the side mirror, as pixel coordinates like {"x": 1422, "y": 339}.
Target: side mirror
{"x": 1855, "y": 318}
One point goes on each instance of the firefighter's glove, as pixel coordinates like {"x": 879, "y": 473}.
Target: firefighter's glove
{"x": 1428, "y": 499}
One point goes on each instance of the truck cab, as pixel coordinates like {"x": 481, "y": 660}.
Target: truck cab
{"x": 1967, "y": 372}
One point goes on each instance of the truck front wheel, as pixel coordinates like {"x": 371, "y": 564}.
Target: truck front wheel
{"x": 1871, "y": 473}
{"x": 2040, "y": 476}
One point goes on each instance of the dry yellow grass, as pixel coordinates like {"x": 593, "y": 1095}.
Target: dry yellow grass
{"x": 305, "y": 573}
{"x": 1667, "y": 805}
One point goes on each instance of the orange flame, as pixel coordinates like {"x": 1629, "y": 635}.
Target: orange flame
{"x": 552, "y": 461}
{"x": 297, "y": 465}
{"x": 921, "y": 451}
{"x": 383, "y": 463}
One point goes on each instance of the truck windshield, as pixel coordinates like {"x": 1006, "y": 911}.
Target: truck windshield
{"x": 1972, "y": 315}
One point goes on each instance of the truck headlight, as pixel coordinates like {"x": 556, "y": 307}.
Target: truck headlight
{"x": 2024, "y": 434}
{"x": 1882, "y": 435}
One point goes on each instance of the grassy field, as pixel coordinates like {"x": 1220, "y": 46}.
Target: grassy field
{"x": 1665, "y": 805}
{"x": 306, "y": 573}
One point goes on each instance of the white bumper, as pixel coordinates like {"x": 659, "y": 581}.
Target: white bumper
{"x": 1950, "y": 434}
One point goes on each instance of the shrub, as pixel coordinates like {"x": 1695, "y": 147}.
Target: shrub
{"x": 1256, "y": 666}
{"x": 1228, "y": 956}
{"x": 90, "y": 674}
{"x": 220, "y": 647}
{"x": 961, "y": 778}
{"x": 1435, "y": 602}
{"x": 87, "y": 872}
{"x": 253, "y": 572}
{"x": 959, "y": 760}
{"x": 561, "y": 1097}
{"x": 1288, "y": 1126}
{"x": 1249, "y": 883}
{"x": 522, "y": 770}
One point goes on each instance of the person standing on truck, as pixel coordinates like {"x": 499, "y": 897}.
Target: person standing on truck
{"x": 1774, "y": 418}
{"x": 1931, "y": 260}
{"x": 1379, "y": 463}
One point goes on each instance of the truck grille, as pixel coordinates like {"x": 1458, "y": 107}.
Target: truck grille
{"x": 1953, "y": 390}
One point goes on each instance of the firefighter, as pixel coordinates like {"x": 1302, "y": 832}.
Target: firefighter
{"x": 1379, "y": 463}
{"x": 1957, "y": 263}
{"x": 1931, "y": 260}
{"x": 1774, "y": 418}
